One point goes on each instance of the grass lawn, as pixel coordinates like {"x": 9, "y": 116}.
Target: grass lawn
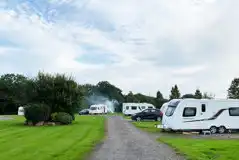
{"x": 205, "y": 149}
{"x": 148, "y": 126}
{"x": 72, "y": 142}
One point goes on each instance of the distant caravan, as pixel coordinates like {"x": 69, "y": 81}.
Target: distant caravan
{"x": 129, "y": 109}
{"x": 217, "y": 116}
{"x": 98, "y": 109}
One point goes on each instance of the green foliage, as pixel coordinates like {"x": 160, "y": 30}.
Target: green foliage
{"x": 58, "y": 91}
{"x": 175, "y": 93}
{"x": 36, "y": 113}
{"x": 208, "y": 96}
{"x": 198, "y": 94}
{"x": 159, "y": 95}
{"x": 188, "y": 96}
{"x": 53, "y": 116}
{"x": 63, "y": 118}
{"x": 233, "y": 91}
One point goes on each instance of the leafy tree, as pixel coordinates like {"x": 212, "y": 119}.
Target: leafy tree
{"x": 208, "y": 96}
{"x": 188, "y": 96}
{"x": 131, "y": 98}
{"x": 175, "y": 93}
{"x": 233, "y": 91}
{"x": 159, "y": 95}
{"x": 198, "y": 94}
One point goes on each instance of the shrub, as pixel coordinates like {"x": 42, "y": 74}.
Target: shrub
{"x": 53, "y": 116}
{"x": 37, "y": 113}
{"x": 63, "y": 118}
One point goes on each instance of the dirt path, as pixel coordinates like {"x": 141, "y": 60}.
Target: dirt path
{"x": 125, "y": 142}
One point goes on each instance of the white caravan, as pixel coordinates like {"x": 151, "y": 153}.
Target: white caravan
{"x": 201, "y": 114}
{"x": 98, "y": 109}
{"x": 20, "y": 111}
{"x": 133, "y": 108}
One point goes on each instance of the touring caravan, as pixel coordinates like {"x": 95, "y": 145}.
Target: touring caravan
{"x": 98, "y": 109}
{"x": 133, "y": 108}
{"x": 201, "y": 114}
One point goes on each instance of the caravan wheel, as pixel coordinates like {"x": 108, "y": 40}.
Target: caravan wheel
{"x": 213, "y": 129}
{"x": 222, "y": 129}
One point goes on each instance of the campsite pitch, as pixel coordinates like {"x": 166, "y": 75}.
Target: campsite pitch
{"x": 205, "y": 149}
{"x": 70, "y": 142}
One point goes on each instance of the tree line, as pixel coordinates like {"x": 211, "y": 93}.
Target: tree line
{"x": 64, "y": 93}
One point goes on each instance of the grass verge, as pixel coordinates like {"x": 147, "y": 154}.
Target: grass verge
{"x": 148, "y": 126}
{"x": 70, "y": 142}
{"x": 204, "y": 149}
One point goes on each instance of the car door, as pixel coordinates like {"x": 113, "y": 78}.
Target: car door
{"x": 145, "y": 114}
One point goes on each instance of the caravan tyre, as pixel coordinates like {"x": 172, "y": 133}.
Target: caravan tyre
{"x": 213, "y": 130}
{"x": 222, "y": 129}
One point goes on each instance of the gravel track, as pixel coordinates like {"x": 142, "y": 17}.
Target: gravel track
{"x": 125, "y": 142}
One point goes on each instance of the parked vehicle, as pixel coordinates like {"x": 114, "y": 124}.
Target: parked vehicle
{"x": 129, "y": 109}
{"x": 201, "y": 114}
{"x": 147, "y": 114}
{"x": 84, "y": 112}
{"x": 98, "y": 109}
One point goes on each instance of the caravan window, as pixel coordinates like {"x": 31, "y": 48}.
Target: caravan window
{"x": 189, "y": 112}
{"x": 150, "y": 107}
{"x": 127, "y": 107}
{"x": 170, "y": 110}
{"x": 203, "y": 107}
{"x": 234, "y": 111}
{"x": 133, "y": 107}
{"x": 143, "y": 107}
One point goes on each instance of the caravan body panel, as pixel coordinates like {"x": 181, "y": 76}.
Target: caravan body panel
{"x": 98, "y": 109}
{"x": 133, "y": 108}
{"x": 201, "y": 114}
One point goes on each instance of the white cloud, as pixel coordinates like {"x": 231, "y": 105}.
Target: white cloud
{"x": 192, "y": 43}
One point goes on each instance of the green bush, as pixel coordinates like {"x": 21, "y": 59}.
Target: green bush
{"x": 53, "y": 116}
{"x": 36, "y": 113}
{"x": 63, "y": 118}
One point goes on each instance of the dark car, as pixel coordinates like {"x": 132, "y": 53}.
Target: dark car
{"x": 84, "y": 112}
{"x": 148, "y": 114}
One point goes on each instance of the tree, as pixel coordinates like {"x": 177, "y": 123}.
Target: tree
{"x": 208, "y": 96}
{"x": 175, "y": 93}
{"x": 233, "y": 91}
{"x": 131, "y": 98}
{"x": 159, "y": 95}
{"x": 198, "y": 94}
{"x": 188, "y": 96}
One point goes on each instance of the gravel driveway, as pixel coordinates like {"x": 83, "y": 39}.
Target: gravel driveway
{"x": 125, "y": 142}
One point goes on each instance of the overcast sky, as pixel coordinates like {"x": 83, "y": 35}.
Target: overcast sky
{"x": 137, "y": 45}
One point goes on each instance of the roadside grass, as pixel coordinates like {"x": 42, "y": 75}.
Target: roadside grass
{"x": 69, "y": 142}
{"x": 148, "y": 126}
{"x": 204, "y": 149}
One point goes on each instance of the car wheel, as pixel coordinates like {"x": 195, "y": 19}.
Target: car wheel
{"x": 222, "y": 129}
{"x": 138, "y": 119}
{"x": 213, "y": 129}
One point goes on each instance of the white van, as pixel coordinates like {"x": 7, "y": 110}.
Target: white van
{"x": 133, "y": 108}
{"x": 98, "y": 109}
{"x": 201, "y": 114}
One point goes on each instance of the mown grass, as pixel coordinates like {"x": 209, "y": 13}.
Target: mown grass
{"x": 148, "y": 126}
{"x": 204, "y": 149}
{"x": 72, "y": 142}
